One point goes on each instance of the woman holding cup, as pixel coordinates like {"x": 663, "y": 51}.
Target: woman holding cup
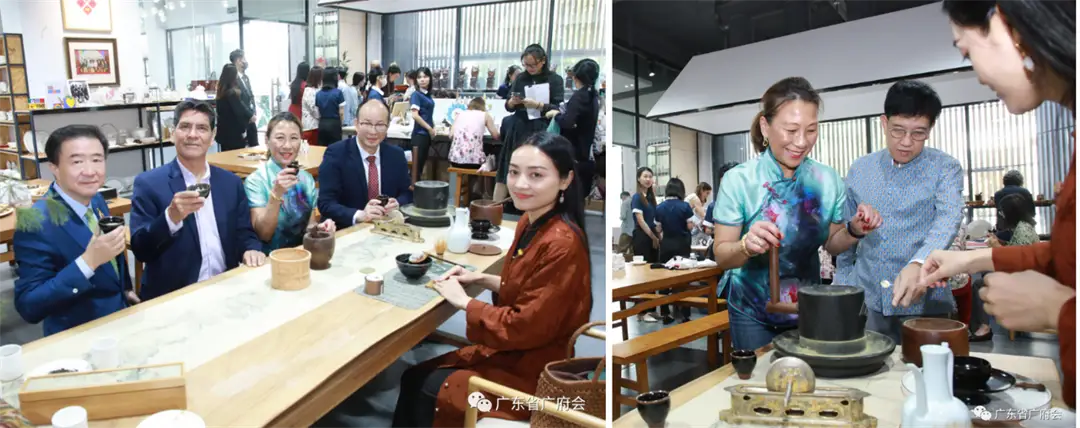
{"x": 283, "y": 196}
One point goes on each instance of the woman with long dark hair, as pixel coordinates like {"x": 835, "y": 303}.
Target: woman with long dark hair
{"x": 543, "y": 292}
{"x": 1026, "y": 51}
{"x": 527, "y": 113}
{"x": 422, "y": 107}
{"x": 310, "y": 112}
{"x": 577, "y": 118}
{"x": 781, "y": 199}
{"x": 296, "y": 89}
{"x": 329, "y": 100}
{"x": 504, "y": 88}
{"x": 233, "y": 114}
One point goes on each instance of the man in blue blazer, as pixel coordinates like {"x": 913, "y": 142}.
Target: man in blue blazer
{"x": 355, "y": 171}
{"x": 182, "y": 237}
{"x": 68, "y": 274}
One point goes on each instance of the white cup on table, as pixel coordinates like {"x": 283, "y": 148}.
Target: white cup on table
{"x": 105, "y": 353}
{"x": 639, "y": 259}
{"x": 11, "y": 365}
{"x": 70, "y": 417}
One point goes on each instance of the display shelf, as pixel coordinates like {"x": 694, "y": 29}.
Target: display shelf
{"x": 327, "y": 36}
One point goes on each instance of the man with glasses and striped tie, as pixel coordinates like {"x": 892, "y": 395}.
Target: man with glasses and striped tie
{"x": 68, "y": 272}
{"x": 357, "y": 170}
{"x": 919, "y": 192}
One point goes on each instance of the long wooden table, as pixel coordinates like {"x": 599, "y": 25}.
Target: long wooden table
{"x": 885, "y": 402}
{"x": 233, "y": 161}
{"x": 288, "y": 375}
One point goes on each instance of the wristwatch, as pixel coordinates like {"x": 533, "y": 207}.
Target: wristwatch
{"x": 851, "y": 231}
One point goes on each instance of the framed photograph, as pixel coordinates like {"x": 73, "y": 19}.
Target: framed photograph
{"x": 79, "y": 91}
{"x": 87, "y": 15}
{"x": 92, "y": 60}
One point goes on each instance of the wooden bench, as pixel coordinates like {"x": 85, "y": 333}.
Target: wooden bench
{"x": 463, "y": 178}
{"x": 637, "y": 351}
{"x": 693, "y": 302}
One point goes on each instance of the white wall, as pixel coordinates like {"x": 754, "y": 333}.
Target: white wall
{"x": 374, "y": 39}
{"x": 43, "y": 32}
{"x": 705, "y": 159}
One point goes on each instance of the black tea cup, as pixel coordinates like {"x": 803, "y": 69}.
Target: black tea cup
{"x": 202, "y": 188}
{"x": 744, "y": 361}
{"x": 653, "y": 407}
{"x": 110, "y": 223}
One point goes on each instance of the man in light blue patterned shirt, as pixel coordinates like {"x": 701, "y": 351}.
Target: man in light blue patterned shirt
{"x": 919, "y": 192}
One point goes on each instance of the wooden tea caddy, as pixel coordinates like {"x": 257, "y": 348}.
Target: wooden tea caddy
{"x": 103, "y": 394}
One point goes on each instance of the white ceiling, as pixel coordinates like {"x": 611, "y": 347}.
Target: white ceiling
{"x": 400, "y": 6}
{"x": 952, "y": 88}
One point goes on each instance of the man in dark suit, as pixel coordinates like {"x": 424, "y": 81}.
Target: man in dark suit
{"x": 247, "y": 97}
{"x": 184, "y": 238}
{"x": 68, "y": 273}
{"x": 358, "y": 169}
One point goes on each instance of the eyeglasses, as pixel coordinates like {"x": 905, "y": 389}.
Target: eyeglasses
{"x": 916, "y": 135}
{"x": 530, "y": 66}
{"x": 380, "y": 127}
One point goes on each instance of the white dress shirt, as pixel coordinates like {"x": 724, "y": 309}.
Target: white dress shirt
{"x": 213, "y": 256}
{"x": 360, "y": 215}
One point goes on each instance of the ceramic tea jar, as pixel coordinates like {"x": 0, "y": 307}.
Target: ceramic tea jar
{"x": 933, "y": 405}
{"x": 321, "y": 246}
{"x": 431, "y": 195}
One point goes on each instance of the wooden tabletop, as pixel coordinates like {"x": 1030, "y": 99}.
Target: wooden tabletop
{"x": 259, "y": 357}
{"x": 232, "y": 161}
{"x": 885, "y": 390}
{"x": 639, "y": 279}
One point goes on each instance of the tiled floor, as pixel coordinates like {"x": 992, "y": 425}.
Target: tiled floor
{"x": 679, "y": 366}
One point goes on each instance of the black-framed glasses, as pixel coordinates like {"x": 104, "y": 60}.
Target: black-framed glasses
{"x": 916, "y": 135}
{"x": 381, "y": 127}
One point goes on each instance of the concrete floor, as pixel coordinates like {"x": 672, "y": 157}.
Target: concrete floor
{"x": 679, "y": 366}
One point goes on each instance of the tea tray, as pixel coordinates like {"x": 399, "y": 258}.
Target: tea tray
{"x": 408, "y": 293}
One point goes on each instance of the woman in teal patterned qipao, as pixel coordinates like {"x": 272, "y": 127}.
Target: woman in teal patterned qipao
{"x": 783, "y": 198}
{"x": 281, "y": 198}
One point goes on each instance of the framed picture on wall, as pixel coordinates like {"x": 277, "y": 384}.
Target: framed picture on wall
{"x": 92, "y": 60}
{"x": 87, "y": 15}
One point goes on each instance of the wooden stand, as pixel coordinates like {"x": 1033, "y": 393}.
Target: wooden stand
{"x": 775, "y": 305}
{"x": 290, "y": 269}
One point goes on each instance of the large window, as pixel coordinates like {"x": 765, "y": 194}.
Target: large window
{"x": 492, "y": 38}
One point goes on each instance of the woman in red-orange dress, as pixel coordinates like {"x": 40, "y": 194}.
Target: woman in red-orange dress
{"x": 542, "y": 296}
{"x": 1026, "y": 52}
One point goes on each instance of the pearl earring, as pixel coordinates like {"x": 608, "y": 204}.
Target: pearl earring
{"x": 1029, "y": 64}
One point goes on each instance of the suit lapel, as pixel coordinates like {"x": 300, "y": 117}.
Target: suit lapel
{"x": 99, "y": 206}
{"x": 221, "y": 209}
{"x": 357, "y": 158}
{"x": 177, "y": 185}
{"x": 74, "y": 227}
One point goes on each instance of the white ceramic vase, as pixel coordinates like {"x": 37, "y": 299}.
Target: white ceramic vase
{"x": 933, "y": 404}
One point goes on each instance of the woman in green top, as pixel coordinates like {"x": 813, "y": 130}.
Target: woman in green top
{"x": 281, "y": 198}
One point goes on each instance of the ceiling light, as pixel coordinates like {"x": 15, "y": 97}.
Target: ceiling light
{"x": 652, "y": 73}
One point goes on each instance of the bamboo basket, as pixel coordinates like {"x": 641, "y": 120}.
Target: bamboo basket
{"x": 289, "y": 269}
